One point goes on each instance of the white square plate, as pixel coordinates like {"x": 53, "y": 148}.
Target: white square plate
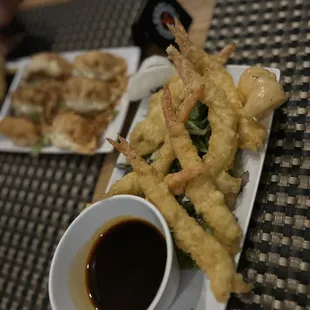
{"x": 132, "y": 57}
{"x": 194, "y": 291}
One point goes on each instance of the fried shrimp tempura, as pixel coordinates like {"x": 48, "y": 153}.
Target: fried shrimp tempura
{"x": 20, "y": 130}
{"x": 223, "y": 120}
{"x": 164, "y": 158}
{"x": 224, "y": 54}
{"x": 150, "y": 133}
{"x": 223, "y": 142}
{"x": 208, "y": 253}
{"x": 207, "y": 201}
{"x": 251, "y": 133}
{"x": 129, "y": 183}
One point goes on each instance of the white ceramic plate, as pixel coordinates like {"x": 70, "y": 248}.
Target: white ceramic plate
{"x": 194, "y": 291}
{"x": 130, "y": 54}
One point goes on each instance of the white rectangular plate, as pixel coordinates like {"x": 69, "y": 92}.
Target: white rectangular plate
{"x": 130, "y": 54}
{"x": 194, "y": 291}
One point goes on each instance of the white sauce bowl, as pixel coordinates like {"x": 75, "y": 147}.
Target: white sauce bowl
{"x": 67, "y": 285}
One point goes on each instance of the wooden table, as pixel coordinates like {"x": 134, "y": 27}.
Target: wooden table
{"x": 29, "y": 4}
{"x": 201, "y": 12}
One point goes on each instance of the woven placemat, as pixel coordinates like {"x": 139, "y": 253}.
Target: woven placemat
{"x": 81, "y": 24}
{"x": 276, "y": 256}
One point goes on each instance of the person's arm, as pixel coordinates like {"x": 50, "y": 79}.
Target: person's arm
{"x": 8, "y": 10}
{"x": 8, "y": 36}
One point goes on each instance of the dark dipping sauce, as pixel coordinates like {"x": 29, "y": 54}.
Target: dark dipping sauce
{"x": 126, "y": 265}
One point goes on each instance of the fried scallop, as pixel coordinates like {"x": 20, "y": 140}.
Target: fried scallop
{"x": 72, "y": 132}
{"x": 85, "y": 95}
{"x": 37, "y": 100}
{"x": 99, "y": 65}
{"x": 260, "y": 92}
{"x": 20, "y": 130}
{"x": 47, "y": 65}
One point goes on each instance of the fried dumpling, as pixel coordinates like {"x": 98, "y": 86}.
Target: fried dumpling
{"x": 84, "y": 95}
{"x": 35, "y": 101}
{"x": 20, "y": 130}
{"x": 47, "y": 65}
{"x": 72, "y": 132}
{"x": 99, "y": 65}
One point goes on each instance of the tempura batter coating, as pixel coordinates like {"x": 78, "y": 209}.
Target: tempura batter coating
{"x": 227, "y": 184}
{"x": 164, "y": 157}
{"x": 150, "y": 133}
{"x": 223, "y": 120}
{"x": 208, "y": 253}
{"x": 224, "y": 54}
{"x": 20, "y": 130}
{"x": 129, "y": 183}
{"x": 251, "y": 133}
{"x": 206, "y": 199}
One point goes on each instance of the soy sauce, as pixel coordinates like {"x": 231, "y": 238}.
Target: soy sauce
{"x": 125, "y": 266}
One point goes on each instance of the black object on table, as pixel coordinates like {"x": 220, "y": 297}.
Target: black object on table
{"x": 150, "y": 26}
{"x": 26, "y": 44}
{"x": 40, "y": 197}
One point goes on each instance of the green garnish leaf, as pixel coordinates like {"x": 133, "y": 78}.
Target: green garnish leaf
{"x": 193, "y": 129}
{"x": 36, "y": 149}
{"x": 199, "y": 115}
{"x": 201, "y": 146}
{"x": 203, "y": 224}
{"x": 185, "y": 260}
{"x": 126, "y": 167}
{"x": 199, "y": 128}
{"x": 34, "y": 116}
{"x": 237, "y": 170}
{"x": 115, "y": 113}
{"x": 62, "y": 105}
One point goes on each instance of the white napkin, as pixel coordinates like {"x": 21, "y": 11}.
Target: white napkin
{"x": 154, "y": 72}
